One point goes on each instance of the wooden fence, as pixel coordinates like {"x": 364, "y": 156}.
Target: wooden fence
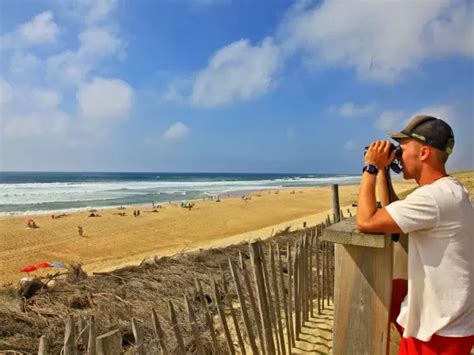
{"x": 277, "y": 292}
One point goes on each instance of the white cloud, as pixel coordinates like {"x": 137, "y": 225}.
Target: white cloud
{"x": 379, "y": 39}
{"x": 445, "y": 112}
{"x": 98, "y": 42}
{"x": 389, "y": 120}
{"x": 35, "y": 124}
{"x": 97, "y": 10}
{"x": 40, "y": 30}
{"x": 45, "y": 99}
{"x": 105, "y": 100}
{"x": 176, "y": 131}
{"x": 351, "y": 110}
{"x": 24, "y": 65}
{"x": 5, "y": 92}
{"x": 238, "y": 71}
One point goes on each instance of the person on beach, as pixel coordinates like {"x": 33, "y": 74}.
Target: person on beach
{"x": 80, "y": 231}
{"x": 435, "y": 308}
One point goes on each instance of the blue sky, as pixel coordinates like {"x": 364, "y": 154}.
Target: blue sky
{"x": 227, "y": 86}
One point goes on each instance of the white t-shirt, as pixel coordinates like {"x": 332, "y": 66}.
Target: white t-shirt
{"x": 440, "y": 221}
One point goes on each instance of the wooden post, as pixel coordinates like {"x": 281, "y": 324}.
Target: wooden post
{"x": 289, "y": 265}
{"x": 284, "y": 300}
{"x": 277, "y": 300}
{"x": 220, "y": 310}
{"x": 159, "y": 332}
{"x": 243, "y": 307}
{"x": 253, "y": 302}
{"x": 109, "y": 343}
{"x": 70, "y": 337}
{"x": 83, "y": 329}
{"x": 318, "y": 276}
{"x": 175, "y": 326}
{"x": 363, "y": 286}
{"x": 91, "y": 342}
{"x": 194, "y": 327}
{"x": 262, "y": 298}
{"x": 311, "y": 283}
{"x": 296, "y": 281}
{"x": 209, "y": 321}
{"x": 237, "y": 329}
{"x": 43, "y": 348}
{"x": 271, "y": 309}
{"x": 138, "y": 335}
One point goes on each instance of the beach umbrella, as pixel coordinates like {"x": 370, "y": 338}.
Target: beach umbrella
{"x": 29, "y": 268}
{"x": 43, "y": 265}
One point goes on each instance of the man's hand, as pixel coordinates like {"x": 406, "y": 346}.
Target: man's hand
{"x": 377, "y": 154}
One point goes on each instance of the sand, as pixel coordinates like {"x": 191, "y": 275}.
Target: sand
{"x": 112, "y": 241}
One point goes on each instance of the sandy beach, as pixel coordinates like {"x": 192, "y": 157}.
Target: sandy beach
{"x": 111, "y": 240}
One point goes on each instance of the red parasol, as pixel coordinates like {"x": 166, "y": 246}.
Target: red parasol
{"x": 29, "y": 268}
{"x": 43, "y": 265}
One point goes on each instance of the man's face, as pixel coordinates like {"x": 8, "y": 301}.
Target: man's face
{"x": 410, "y": 158}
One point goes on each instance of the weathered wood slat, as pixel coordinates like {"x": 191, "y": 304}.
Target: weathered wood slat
{"x": 222, "y": 316}
{"x": 109, "y": 343}
{"x": 253, "y": 302}
{"x": 209, "y": 320}
{"x": 277, "y": 299}
{"x": 175, "y": 326}
{"x": 70, "y": 337}
{"x": 91, "y": 342}
{"x": 243, "y": 307}
{"x": 289, "y": 265}
{"x": 194, "y": 326}
{"x": 138, "y": 335}
{"x": 43, "y": 348}
{"x": 345, "y": 232}
{"x": 159, "y": 333}
{"x": 363, "y": 275}
{"x": 255, "y": 256}
{"x": 284, "y": 300}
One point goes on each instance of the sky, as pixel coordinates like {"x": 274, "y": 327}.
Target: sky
{"x": 227, "y": 86}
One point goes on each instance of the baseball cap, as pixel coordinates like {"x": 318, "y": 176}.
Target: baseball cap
{"x": 430, "y": 130}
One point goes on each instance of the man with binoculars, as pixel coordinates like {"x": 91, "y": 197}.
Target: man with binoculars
{"x": 437, "y": 312}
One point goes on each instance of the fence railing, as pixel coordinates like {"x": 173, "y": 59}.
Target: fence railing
{"x": 277, "y": 291}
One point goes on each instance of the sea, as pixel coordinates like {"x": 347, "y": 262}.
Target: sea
{"x": 24, "y": 193}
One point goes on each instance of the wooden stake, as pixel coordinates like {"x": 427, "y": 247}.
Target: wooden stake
{"x": 159, "y": 332}
{"x": 194, "y": 327}
{"x": 70, "y": 337}
{"x": 138, "y": 335}
{"x": 243, "y": 307}
{"x": 209, "y": 321}
{"x": 253, "y": 302}
{"x": 43, "y": 348}
{"x": 220, "y": 309}
{"x": 277, "y": 300}
{"x": 175, "y": 326}
{"x": 91, "y": 342}
{"x": 255, "y": 256}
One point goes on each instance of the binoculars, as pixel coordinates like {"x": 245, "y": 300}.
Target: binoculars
{"x": 396, "y": 164}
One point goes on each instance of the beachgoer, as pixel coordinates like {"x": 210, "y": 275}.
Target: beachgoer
{"x": 134, "y": 213}
{"x": 80, "y": 231}
{"x": 138, "y": 213}
{"x": 437, "y": 313}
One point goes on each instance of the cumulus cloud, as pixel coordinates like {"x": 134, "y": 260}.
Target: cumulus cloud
{"x": 390, "y": 120}
{"x": 105, "y": 100}
{"x": 238, "y": 71}
{"x": 40, "y": 30}
{"x": 351, "y": 110}
{"x": 176, "y": 131}
{"x": 381, "y": 40}
{"x": 35, "y": 124}
{"x": 397, "y": 119}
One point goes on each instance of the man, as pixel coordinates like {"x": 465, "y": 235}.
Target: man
{"x": 437, "y": 314}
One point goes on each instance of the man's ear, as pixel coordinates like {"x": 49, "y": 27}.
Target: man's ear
{"x": 425, "y": 152}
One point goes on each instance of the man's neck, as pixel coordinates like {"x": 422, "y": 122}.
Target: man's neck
{"x": 429, "y": 176}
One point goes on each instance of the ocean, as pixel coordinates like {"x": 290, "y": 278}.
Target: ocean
{"x": 44, "y": 192}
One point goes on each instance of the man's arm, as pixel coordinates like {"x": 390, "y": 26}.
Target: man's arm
{"x": 369, "y": 218}
{"x": 385, "y": 188}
